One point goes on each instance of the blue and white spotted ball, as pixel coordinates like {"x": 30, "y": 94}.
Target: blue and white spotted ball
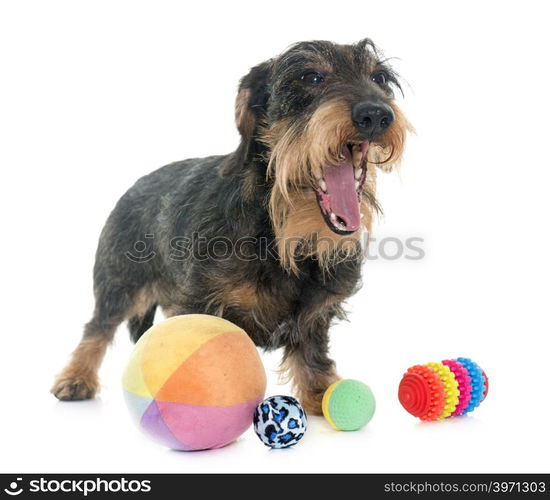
{"x": 280, "y": 421}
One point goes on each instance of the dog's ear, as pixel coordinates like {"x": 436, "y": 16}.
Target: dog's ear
{"x": 252, "y": 98}
{"x": 250, "y": 112}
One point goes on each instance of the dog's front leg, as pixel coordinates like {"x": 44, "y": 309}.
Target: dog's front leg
{"x": 307, "y": 365}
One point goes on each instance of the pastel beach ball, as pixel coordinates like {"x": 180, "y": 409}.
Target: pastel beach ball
{"x": 194, "y": 381}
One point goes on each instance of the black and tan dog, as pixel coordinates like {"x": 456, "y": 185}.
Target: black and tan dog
{"x": 267, "y": 237}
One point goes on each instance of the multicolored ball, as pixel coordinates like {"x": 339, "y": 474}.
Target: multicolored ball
{"x": 193, "y": 382}
{"x": 280, "y": 421}
{"x": 348, "y": 405}
{"x": 440, "y": 390}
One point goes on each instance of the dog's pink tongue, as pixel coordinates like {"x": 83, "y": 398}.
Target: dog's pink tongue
{"x": 344, "y": 200}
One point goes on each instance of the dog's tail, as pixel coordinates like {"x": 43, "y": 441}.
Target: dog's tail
{"x": 138, "y": 325}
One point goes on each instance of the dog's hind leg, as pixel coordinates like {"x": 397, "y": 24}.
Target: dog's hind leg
{"x": 114, "y": 303}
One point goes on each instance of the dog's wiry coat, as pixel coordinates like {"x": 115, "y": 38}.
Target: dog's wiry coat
{"x": 294, "y": 114}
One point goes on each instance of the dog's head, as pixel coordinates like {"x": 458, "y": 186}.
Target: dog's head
{"x": 321, "y": 116}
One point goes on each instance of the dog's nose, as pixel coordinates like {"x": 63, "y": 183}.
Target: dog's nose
{"x": 372, "y": 119}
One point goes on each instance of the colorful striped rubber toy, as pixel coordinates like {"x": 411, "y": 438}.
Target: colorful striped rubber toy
{"x": 440, "y": 390}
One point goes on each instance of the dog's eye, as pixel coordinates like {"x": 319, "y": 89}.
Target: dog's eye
{"x": 312, "y": 78}
{"x": 380, "y": 78}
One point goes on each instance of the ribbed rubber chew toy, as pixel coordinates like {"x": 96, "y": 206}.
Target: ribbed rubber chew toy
{"x": 440, "y": 390}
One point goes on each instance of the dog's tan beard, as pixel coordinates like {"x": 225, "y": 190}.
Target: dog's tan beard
{"x": 303, "y": 233}
{"x": 387, "y": 152}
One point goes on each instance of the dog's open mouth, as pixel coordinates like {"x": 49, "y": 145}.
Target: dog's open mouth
{"x": 339, "y": 189}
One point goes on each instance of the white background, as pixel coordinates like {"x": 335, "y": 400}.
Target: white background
{"x": 95, "y": 94}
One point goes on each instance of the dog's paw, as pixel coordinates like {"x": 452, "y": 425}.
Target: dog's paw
{"x": 77, "y": 389}
{"x": 312, "y": 399}
{"x": 311, "y": 402}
